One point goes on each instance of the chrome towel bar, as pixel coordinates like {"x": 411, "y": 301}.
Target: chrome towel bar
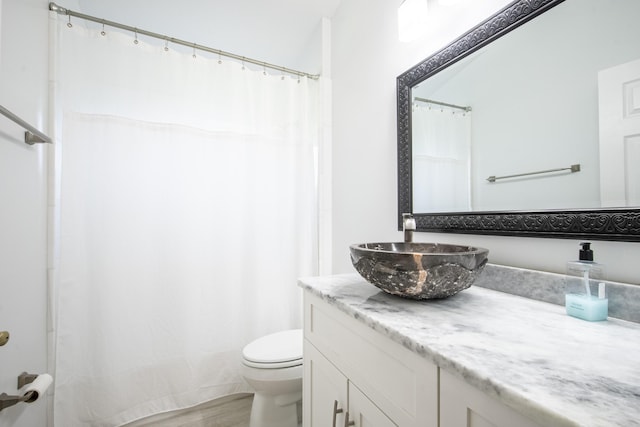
{"x": 32, "y": 135}
{"x": 572, "y": 168}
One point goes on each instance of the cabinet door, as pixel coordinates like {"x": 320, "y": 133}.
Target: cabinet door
{"x": 363, "y": 412}
{"x": 324, "y": 391}
{"x": 400, "y": 382}
{"x": 464, "y": 405}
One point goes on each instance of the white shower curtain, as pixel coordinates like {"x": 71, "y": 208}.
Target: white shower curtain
{"x": 184, "y": 209}
{"x": 441, "y": 143}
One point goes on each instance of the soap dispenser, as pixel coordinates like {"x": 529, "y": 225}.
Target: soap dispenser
{"x": 580, "y": 301}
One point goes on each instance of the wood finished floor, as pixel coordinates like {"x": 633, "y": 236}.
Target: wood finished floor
{"x": 230, "y": 411}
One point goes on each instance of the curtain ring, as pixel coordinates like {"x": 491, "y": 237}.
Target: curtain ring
{"x": 69, "y": 24}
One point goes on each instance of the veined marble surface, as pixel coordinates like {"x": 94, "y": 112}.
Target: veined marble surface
{"x": 552, "y": 368}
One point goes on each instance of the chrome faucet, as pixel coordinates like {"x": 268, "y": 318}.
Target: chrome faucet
{"x": 408, "y": 226}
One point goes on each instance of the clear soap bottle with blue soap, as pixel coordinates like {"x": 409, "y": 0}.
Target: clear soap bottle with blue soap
{"x": 583, "y": 300}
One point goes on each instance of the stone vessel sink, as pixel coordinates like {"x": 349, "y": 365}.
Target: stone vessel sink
{"x": 419, "y": 270}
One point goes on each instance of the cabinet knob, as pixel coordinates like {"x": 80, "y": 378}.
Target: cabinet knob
{"x": 336, "y": 411}
{"x": 4, "y": 337}
{"x": 348, "y": 423}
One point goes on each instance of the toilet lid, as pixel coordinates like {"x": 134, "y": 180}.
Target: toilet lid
{"x": 285, "y": 346}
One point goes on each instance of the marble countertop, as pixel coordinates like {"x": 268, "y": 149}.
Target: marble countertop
{"x": 550, "y": 367}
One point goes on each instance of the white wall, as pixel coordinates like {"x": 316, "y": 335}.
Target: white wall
{"x": 23, "y": 236}
{"x": 366, "y": 59}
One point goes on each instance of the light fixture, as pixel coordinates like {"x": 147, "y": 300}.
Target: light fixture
{"x": 448, "y": 2}
{"x": 412, "y": 19}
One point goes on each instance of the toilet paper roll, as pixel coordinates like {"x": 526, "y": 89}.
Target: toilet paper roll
{"x": 37, "y": 388}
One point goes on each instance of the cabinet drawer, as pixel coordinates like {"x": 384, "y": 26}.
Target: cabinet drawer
{"x": 402, "y": 384}
{"x": 464, "y": 405}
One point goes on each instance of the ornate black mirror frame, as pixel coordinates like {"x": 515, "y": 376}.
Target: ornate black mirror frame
{"x": 617, "y": 224}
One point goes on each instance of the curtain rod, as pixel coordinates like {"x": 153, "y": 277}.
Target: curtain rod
{"x": 63, "y": 11}
{"x": 430, "y": 101}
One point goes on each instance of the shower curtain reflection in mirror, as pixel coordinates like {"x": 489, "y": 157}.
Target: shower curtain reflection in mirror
{"x": 441, "y": 144}
{"x": 183, "y": 211}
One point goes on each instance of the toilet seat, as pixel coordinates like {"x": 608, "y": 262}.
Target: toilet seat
{"x": 274, "y": 351}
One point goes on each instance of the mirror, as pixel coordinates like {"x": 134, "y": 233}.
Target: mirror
{"x": 509, "y": 129}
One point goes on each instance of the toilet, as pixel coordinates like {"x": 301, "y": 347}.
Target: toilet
{"x": 272, "y": 365}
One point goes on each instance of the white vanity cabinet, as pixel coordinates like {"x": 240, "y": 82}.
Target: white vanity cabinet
{"x": 336, "y": 401}
{"x": 483, "y": 358}
{"x": 464, "y": 405}
{"x": 351, "y": 369}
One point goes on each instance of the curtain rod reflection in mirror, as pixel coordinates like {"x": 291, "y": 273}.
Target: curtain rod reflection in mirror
{"x": 431, "y": 101}
{"x": 68, "y": 12}
{"x": 572, "y": 168}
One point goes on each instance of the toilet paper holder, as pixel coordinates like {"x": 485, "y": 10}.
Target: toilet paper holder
{"x": 30, "y": 396}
